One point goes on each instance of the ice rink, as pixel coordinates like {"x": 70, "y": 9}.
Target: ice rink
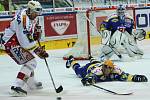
{"x": 73, "y": 89}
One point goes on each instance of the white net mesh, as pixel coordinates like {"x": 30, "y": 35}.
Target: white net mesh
{"x": 85, "y": 39}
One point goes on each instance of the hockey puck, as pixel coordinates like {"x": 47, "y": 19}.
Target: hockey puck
{"x": 58, "y": 98}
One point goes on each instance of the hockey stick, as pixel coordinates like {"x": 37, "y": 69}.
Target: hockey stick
{"x": 115, "y": 51}
{"x": 1, "y": 39}
{"x": 112, "y": 92}
{"x": 60, "y": 88}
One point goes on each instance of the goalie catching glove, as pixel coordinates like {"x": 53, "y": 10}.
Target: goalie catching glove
{"x": 139, "y": 78}
{"x": 40, "y": 51}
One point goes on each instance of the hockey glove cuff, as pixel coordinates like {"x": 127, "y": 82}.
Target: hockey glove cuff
{"x": 88, "y": 81}
{"x": 40, "y": 51}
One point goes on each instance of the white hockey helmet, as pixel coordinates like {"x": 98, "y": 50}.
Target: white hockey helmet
{"x": 121, "y": 10}
{"x": 34, "y": 6}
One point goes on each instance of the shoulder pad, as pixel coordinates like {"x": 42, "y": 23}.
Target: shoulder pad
{"x": 19, "y": 16}
{"x": 112, "y": 16}
{"x": 128, "y": 16}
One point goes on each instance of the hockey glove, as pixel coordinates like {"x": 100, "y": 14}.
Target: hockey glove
{"x": 88, "y": 81}
{"x": 40, "y": 51}
{"x": 139, "y": 78}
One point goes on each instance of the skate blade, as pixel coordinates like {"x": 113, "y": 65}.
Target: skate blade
{"x": 16, "y": 94}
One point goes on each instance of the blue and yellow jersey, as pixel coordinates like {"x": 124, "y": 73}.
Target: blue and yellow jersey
{"x": 95, "y": 70}
{"x": 113, "y": 23}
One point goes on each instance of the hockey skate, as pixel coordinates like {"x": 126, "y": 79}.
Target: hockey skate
{"x": 18, "y": 92}
{"x": 69, "y": 61}
{"x": 34, "y": 85}
{"x": 93, "y": 60}
{"x": 39, "y": 85}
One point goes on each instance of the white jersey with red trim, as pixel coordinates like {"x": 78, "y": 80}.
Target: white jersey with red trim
{"x": 23, "y": 28}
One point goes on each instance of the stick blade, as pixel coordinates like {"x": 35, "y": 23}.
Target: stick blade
{"x": 124, "y": 93}
{"x": 59, "y": 89}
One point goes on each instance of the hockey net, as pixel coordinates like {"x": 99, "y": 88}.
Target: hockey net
{"x": 88, "y": 38}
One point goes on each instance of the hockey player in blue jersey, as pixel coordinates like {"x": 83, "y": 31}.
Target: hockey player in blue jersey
{"x": 119, "y": 36}
{"x": 96, "y": 71}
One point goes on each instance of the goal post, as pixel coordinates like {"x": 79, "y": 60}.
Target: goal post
{"x": 88, "y": 38}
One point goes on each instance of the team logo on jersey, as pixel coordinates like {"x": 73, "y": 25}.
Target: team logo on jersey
{"x": 114, "y": 20}
{"x": 60, "y": 26}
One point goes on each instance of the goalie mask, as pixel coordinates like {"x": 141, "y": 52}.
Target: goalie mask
{"x": 121, "y": 12}
{"x": 34, "y": 7}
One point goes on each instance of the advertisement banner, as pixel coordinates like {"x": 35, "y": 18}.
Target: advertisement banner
{"x": 142, "y": 18}
{"x": 4, "y": 24}
{"x": 60, "y": 24}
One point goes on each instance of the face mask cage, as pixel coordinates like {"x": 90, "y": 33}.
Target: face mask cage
{"x": 38, "y": 11}
{"x": 120, "y": 11}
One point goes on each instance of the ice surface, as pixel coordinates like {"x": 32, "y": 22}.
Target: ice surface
{"x": 73, "y": 89}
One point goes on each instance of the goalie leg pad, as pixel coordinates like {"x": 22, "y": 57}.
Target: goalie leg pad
{"x": 133, "y": 50}
{"x": 106, "y": 53}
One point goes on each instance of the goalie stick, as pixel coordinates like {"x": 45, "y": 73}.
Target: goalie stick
{"x": 112, "y": 92}
{"x": 60, "y": 88}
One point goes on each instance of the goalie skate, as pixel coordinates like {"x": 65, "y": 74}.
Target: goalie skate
{"x": 18, "y": 92}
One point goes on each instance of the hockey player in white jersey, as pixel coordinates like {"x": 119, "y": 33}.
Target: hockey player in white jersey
{"x": 119, "y": 36}
{"x": 20, "y": 44}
